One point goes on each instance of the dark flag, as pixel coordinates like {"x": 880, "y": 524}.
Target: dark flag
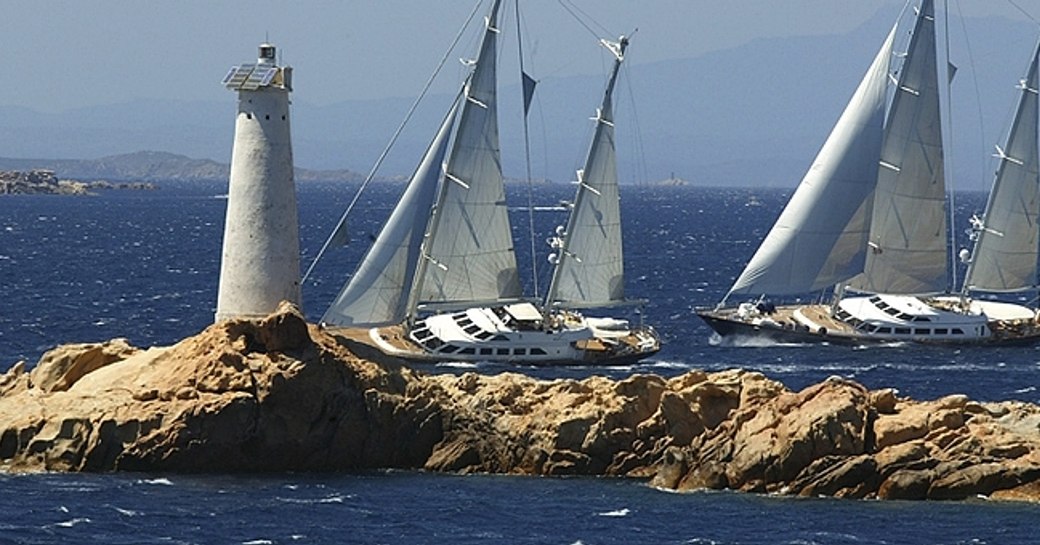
{"x": 529, "y": 84}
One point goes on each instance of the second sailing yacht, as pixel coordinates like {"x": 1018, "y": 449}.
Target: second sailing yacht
{"x": 869, "y": 218}
{"x": 440, "y": 283}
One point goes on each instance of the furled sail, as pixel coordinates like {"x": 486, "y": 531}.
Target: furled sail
{"x": 819, "y": 238}
{"x": 1005, "y": 256}
{"x": 378, "y": 293}
{"x": 589, "y": 269}
{"x": 907, "y": 246}
{"x": 468, "y": 256}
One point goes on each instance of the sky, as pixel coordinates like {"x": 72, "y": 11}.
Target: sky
{"x": 60, "y": 55}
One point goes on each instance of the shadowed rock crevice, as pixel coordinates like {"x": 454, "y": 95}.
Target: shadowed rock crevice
{"x": 279, "y": 394}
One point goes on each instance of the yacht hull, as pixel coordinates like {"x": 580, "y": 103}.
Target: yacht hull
{"x": 494, "y": 335}
{"x": 856, "y": 322}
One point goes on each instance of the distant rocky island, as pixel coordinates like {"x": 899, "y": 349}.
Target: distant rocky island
{"x": 153, "y": 166}
{"x": 279, "y": 394}
{"x": 44, "y": 182}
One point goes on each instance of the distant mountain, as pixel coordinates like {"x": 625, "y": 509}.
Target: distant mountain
{"x": 753, "y": 115}
{"x": 153, "y": 165}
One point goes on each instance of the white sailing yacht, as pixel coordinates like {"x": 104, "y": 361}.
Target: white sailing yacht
{"x": 440, "y": 282}
{"x": 869, "y": 218}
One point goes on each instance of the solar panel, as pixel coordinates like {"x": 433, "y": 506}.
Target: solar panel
{"x": 238, "y": 76}
{"x": 249, "y": 77}
{"x": 268, "y": 76}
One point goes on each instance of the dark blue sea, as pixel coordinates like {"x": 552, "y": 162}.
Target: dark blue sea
{"x": 144, "y": 265}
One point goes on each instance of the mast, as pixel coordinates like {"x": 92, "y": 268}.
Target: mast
{"x": 907, "y": 247}
{"x": 589, "y": 266}
{"x": 473, "y": 262}
{"x": 527, "y": 84}
{"x": 1004, "y": 257}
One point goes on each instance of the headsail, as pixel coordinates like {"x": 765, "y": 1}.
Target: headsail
{"x": 468, "y": 255}
{"x": 907, "y": 246}
{"x": 1005, "y": 255}
{"x": 819, "y": 238}
{"x": 589, "y": 269}
{"x": 378, "y": 293}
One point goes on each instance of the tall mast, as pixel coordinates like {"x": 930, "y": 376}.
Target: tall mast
{"x": 604, "y": 121}
{"x": 470, "y": 243}
{"x": 1004, "y": 258}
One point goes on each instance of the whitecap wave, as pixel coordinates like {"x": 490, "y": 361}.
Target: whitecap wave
{"x": 162, "y": 481}
{"x": 741, "y": 341}
{"x": 73, "y": 522}
{"x": 458, "y": 364}
{"x": 664, "y": 364}
{"x": 337, "y": 498}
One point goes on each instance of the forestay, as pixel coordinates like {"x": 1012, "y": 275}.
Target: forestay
{"x": 1005, "y": 255}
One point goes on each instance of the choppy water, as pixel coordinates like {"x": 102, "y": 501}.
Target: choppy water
{"x": 144, "y": 265}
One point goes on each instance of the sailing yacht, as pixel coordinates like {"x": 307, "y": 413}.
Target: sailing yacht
{"x": 869, "y": 219}
{"x": 440, "y": 282}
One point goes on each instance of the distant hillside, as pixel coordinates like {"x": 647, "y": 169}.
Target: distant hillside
{"x": 750, "y": 115}
{"x": 154, "y": 165}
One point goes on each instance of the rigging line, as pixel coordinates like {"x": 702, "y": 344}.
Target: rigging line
{"x": 571, "y": 9}
{"x": 952, "y": 251}
{"x": 527, "y": 157}
{"x": 390, "y": 145}
{"x": 641, "y": 172}
{"x": 974, "y": 79}
{"x": 1024, "y": 12}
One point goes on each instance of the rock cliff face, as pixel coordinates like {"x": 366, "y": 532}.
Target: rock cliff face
{"x": 280, "y": 394}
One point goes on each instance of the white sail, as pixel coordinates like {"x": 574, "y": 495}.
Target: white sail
{"x": 378, "y": 293}
{"x": 1005, "y": 255}
{"x": 907, "y": 247}
{"x": 589, "y": 269}
{"x": 818, "y": 239}
{"x": 468, "y": 255}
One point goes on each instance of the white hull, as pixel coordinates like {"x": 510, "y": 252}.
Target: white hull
{"x": 883, "y": 319}
{"x": 506, "y": 335}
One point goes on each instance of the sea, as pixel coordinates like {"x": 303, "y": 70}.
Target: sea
{"x": 144, "y": 265}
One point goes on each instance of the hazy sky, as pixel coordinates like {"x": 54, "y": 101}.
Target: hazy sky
{"x": 66, "y": 54}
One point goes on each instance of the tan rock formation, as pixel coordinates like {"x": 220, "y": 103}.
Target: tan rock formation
{"x": 278, "y": 394}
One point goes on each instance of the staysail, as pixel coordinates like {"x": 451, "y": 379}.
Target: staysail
{"x": 907, "y": 246}
{"x": 1005, "y": 255}
{"x": 819, "y": 238}
{"x": 378, "y": 293}
{"x": 589, "y": 270}
{"x": 468, "y": 255}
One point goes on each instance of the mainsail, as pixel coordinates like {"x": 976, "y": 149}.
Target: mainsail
{"x": 907, "y": 246}
{"x": 589, "y": 271}
{"x": 820, "y": 236}
{"x": 871, "y": 209}
{"x": 378, "y": 293}
{"x": 468, "y": 256}
{"x": 1005, "y": 255}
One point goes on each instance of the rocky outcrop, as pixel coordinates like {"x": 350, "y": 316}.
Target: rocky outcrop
{"x": 43, "y": 181}
{"x": 281, "y": 394}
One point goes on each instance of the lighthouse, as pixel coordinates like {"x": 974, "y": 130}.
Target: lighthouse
{"x": 260, "y": 260}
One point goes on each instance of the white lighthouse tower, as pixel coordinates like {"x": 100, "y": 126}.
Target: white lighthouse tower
{"x": 260, "y": 262}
